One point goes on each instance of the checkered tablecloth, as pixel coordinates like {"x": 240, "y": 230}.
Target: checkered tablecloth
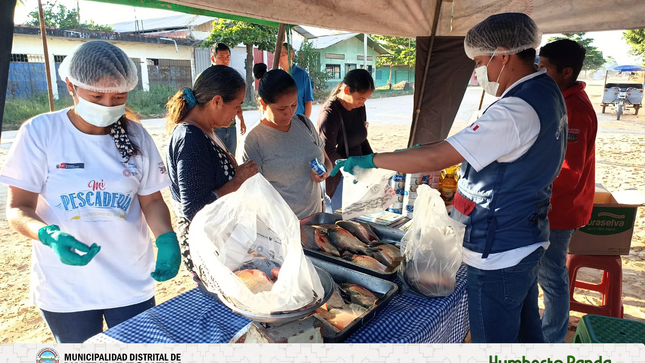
{"x": 195, "y": 318}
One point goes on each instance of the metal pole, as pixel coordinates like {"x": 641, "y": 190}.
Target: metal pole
{"x": 43, "y": 34}
{"x": 365, "y": 51}
{"x": 278, "y": 45}
{"x": 417, "y": 112}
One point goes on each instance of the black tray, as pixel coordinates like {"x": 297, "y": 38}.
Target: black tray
{"x": 388, "y": 235}
{"x": 384, "y": 290}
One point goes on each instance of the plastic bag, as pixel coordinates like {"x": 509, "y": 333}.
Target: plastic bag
{"x": 366, "y": 192}
{"x": 254, "y": 222}
{"x": 432, "y": 247}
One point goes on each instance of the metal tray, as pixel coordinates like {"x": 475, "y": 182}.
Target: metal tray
{"x": 388, "y": 235}
{"x": 383, "y": 289}
{"x": 325, "y": 280}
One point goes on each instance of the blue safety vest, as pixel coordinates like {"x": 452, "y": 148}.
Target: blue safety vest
{"x": 505, "y": 205}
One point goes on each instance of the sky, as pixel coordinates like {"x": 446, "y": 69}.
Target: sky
{"x": 609, "y": 42}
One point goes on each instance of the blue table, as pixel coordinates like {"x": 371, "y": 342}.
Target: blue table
{"x": 195, "y": 318}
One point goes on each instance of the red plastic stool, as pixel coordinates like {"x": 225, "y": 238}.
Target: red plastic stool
{"x": 611, "y": 286}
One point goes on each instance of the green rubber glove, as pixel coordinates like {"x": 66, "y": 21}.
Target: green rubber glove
{"x": 365, "y": 162}
{"x": 168, "y": 257}
{"x": 64, "y": 245}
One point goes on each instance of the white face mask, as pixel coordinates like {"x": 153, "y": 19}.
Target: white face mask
{"x": 482, "y": 77}
{"x": 98, "y": 115}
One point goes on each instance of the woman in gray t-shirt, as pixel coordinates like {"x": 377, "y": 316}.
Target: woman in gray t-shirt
{"x": 283, "y": 144}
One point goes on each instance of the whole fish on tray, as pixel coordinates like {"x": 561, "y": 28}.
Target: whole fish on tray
{"x": 359, "y": 295}
{"x": 341, "y": 318}
{"x": 365, "y": 261}
{"x": 345, "y": 241}
{"x": 320, "y": 241}
{"x": 362, "y": 231}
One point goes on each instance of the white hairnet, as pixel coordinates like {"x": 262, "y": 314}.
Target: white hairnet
{"x": 99, "y": 66}
{"x": 514, "y": 31}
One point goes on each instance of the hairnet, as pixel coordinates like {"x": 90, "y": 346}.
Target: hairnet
{"x": 515, "y": 31}
{"x": 99, "y": 66}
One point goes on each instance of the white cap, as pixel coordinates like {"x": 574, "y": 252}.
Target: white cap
{"x": 514, "y": 31}
{"x": 99, "y": 66}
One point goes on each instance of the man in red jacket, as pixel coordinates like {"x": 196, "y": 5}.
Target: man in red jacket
{"x": 573, "y": 189}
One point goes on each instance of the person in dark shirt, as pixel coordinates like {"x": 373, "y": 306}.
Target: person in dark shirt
{"x": 201, "y": 169}
{"x": 342, "y": 124}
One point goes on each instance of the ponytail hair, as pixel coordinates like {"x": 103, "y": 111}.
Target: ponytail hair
{"x": 216, "y": 80}
{"x": 273, "y": 83}
{"x": 358, "y": 80}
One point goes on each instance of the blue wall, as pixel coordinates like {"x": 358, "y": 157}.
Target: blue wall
{"x": 26, "y": 80}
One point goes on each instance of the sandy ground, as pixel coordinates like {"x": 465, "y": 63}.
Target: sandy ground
{"x": 620, "y": 165}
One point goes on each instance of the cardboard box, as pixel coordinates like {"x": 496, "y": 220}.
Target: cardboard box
{"x": 610, "y": 229}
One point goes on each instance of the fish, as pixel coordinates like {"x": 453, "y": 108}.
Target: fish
{"x": 393, "y": 252}
{"x": 337, "y": 299}
{"x": 346, "y": 241}
{"x": 307, "y": 237}
{"x": 275, "y": 272}
{"x": 255, "y": 280}
{"x": 365, "y": 261}
{"x": 341, "y": 318}
{"x": 259, "y": 262}
{"x": 322, "y": 240}
{"x": 382, "y": 257}
{"x": 359, "y": 295}
{"x": 362, "y": 231}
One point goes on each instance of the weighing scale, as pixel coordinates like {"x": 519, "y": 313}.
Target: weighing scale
{"x": 291, "y": 327}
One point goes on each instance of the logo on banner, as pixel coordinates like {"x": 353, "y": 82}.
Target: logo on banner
{"x": 47, "y": 355}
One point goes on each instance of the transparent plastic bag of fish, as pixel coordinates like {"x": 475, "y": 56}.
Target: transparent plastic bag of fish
{"x": 237, "y": 228}
{"x": 368, "y": 191}
{"x": 432, "y": 247}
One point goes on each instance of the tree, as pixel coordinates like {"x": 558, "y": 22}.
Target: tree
{"x": 233, "y": 32}
{"x": 636, "y": 41}
{"x": 309, "y": 59}
{"x": 594, "y": 58}
{"x": 58, "y": 16}
{"x": 403, "y": 52}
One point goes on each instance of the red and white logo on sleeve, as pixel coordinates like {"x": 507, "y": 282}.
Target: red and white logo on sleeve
{"x": 474, "y": 126}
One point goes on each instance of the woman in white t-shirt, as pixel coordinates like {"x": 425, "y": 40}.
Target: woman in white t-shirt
{"x": 85, "y": 182}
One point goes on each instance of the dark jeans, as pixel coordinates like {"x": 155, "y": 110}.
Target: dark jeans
{"x": 503, "y": 304}
{"x": 553, "y": 277}
{"x": 79, "y": 326}
{"x": 228, "y": 135}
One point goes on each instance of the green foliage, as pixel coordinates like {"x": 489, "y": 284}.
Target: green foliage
{"x": 142, "y": 103}
{"x": 309, "y": 59}
{"x": 58, "y": 16}
{"x": 233, "y": 32}
{"x": 636, "y": 41}
{"x": 150, "y": 103}
{"x": 18, "y": 110}
{"x": 594, "y": 58}
{"x": 403, "y": 50}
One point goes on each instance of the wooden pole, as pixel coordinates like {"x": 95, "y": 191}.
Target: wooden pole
{"x": 481, "y": 101}
{"x": 278, "y": 45}
{"x": 43, "y": 35}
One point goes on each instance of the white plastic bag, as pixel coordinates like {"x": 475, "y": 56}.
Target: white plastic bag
{"x": 432, "y": 247}
{"x": 366, "y": 192}
{"x": 236, "y": 228}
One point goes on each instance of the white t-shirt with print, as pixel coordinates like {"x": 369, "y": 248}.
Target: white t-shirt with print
{"x": 504, "y": 133}
{"x": 86, "y": 189}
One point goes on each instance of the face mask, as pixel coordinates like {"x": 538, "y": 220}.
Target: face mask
{"x": 98, "y": 115}
{"x": 482, "y": 77}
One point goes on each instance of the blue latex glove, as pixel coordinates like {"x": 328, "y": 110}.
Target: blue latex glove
{"x": 168, "y": 257}
{"x": 62, "y": 243}
{"x": 417, "y": 145}
{"x": 365, "y": 162}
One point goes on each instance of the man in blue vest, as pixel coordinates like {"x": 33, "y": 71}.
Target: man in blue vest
{"x": 510, "y": 157}
{"x": 305, "y": 91}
